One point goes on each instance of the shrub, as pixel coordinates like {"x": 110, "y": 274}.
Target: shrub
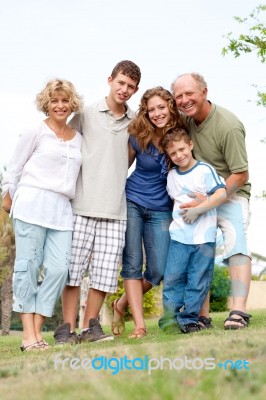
{"x": 151, "y": 301}
{"x": 220, "y": 289}
{"x": 152, "y": 304}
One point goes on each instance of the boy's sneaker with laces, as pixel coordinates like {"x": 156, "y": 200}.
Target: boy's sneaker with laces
{"x": 94, "y": 333}
{"x": 63, "y": 335}
{"x": 190, "y": 328}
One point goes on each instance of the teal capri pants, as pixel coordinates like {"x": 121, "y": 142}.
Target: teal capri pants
{"x": 39, "y": 248}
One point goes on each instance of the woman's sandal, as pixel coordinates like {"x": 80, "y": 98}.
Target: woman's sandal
{"x": 243, "y": 321}
{"x": 118, "y": 322}
{"x": 205, "y": 322}
{"x": 138, "y": 333}
{"x": 43, "y": 344}
{"x": 31, "y": 347}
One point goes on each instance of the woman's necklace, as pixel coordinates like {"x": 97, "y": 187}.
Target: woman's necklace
{"x": 61, "y": 136}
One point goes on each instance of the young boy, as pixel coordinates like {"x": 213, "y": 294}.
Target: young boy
{"x": 100, "y": 204}
{"x": 190, "y": 262}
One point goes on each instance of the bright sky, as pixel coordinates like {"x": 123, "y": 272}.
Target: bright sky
{"x": 82, "y": 40}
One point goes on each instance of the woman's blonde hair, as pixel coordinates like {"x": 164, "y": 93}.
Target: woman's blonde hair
{"x": 59, "y": 85}
{"x": 141, "y": 126}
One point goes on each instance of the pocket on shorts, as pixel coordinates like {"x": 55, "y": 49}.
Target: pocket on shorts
{"x": 21, "y": 280}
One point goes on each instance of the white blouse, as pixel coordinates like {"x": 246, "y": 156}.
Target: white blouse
{"x": 41, "y": 178}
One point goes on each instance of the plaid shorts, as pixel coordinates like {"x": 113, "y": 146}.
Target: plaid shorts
{"x": 97, "y": 248}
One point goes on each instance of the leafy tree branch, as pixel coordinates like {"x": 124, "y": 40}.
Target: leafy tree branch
{"x": 252, "y": 41}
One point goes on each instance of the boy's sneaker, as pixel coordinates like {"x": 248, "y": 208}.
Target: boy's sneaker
{"x": 190, "y": 328}
{"x": 63, "y": 335}
{"x": 94, "y": 333}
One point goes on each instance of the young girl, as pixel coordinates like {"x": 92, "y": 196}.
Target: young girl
{"x": 148, "y": 206}
{"x": 37, "y": 187}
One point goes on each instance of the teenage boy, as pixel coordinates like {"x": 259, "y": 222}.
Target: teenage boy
{"x": 100, "y": 204}
{"x": 190, "y": 262}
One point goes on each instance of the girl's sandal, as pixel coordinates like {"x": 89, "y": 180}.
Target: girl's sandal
{"x": 30, "y": 347}
{"x": 138, "y": 333}
{"x": 118, "y": 322}
{"x": 43, "y": 344}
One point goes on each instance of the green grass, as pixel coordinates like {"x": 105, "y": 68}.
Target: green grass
{"x": 34, "y": 376}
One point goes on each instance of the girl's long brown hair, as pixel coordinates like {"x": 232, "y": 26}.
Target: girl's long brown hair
{"x": 141, "y": 126}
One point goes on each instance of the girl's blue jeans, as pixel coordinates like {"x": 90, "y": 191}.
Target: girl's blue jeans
{"x": 146, "y": 229}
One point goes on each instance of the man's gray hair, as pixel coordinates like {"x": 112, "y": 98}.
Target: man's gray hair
{"x": 198, "y": 78}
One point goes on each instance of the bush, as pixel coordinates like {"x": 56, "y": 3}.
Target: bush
{"x": 50, "y": 323}
{"x": 152, "y": 305}
{"x": 220, "y": 289}
{"x": 151, "y": 301}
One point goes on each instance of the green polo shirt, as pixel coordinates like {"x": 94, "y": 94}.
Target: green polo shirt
{"x": 220, "y": 141}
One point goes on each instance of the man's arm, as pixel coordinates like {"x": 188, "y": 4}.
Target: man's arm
{"x": 233, "y": 183}
{"x": 198, "y": 198}
{"x": 216, "y": 199}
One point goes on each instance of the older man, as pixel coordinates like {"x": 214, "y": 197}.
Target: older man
{"x": 219, "y": 139}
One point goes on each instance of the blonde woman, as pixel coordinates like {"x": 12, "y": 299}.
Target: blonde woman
{"x": 37, "y": 187}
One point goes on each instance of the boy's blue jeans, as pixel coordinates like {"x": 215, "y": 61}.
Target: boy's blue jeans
{"x": 187, "y": 280}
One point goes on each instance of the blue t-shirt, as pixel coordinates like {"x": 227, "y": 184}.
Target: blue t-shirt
{"x": 146, "y": 185}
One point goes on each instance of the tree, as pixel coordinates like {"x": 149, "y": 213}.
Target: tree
{"x": 7, "y": 257}
{"x": 253, "y": 41}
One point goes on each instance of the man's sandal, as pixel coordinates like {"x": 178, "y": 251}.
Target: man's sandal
{"x": 118, "y": 322}
{"x": 31, "y": 347}
{"x": 138, "y": 333}
{"x": 205, "y": 322}
{"x": 243, "y": 321}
